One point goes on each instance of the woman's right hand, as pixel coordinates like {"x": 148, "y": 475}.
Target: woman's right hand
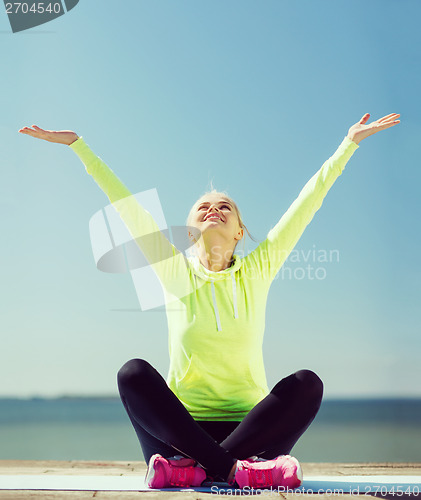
{"x": 59, "y": 136}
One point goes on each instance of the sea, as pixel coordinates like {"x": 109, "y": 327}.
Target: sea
{"x": 97, "y": 428}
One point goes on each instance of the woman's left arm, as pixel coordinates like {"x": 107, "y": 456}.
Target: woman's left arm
{"x": 270, "y": 255}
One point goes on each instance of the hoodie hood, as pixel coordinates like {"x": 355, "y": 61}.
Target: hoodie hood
{"x": 212, "y": 276}
{"x": 200, "y": 270}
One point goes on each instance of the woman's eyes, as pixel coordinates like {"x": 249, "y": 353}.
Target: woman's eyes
{"x": 221, "y": 206}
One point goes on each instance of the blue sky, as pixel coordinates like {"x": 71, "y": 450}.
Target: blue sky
{"x": 253, "y": 96}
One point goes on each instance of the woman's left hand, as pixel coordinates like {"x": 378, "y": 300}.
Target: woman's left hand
{"x": 361, "y": 130}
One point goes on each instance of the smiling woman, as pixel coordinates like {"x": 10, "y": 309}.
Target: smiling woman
{"x": 219, "y": 221}
{"x": 215, "y": 408}
{"x": 221, "y": 206}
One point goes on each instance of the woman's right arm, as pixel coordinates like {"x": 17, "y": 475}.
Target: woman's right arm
{"x": 164, "y": 257}
{"x": 102, "y": 174}
{"x": 106, "y": 179}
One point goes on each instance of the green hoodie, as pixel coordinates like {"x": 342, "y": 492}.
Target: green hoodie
{"x": 216, "y": 320}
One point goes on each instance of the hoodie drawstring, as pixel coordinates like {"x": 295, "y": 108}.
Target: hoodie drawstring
{"x": 215, "y": 307}
{"x": 234, "y": 295}
{"x": 234, "y": 298}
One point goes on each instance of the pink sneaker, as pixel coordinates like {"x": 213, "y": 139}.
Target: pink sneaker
{"x": 173, "y": 472}
{"x": 281, "y": 471}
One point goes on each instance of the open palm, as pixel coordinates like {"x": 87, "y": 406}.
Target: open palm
{"x": 362, "y": 129}
{"x": 59, "y": 136}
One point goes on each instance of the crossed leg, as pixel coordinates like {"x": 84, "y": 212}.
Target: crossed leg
{"x": 164, "y": 426}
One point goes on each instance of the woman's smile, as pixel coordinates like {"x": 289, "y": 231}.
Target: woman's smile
{"x": 213, "y": 216}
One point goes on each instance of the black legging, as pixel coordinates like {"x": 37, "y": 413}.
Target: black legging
{"x": 164, "y": 426}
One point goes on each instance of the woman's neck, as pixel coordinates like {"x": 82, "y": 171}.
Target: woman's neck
{"x": 215, "y": 256}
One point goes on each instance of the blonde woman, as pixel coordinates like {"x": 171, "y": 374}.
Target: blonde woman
{"x": 214, "y": 416}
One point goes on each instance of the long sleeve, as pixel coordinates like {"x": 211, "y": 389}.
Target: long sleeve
{"x": 270, "y": 255}
{"x": 101, "y": 173}
{"x": 166, "y": 260}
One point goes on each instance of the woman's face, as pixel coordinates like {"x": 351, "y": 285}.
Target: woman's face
{"x": 215, "y": 213}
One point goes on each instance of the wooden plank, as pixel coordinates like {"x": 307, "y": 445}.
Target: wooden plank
{"x": 112, "y": 468}
{"x": 80, "y": 467}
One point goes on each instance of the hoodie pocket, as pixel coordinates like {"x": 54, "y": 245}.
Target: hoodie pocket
{"x": 201, "y": 375}
{"x": 257, "y": 374}
{"x": 179, "y": 381}
{"x": 191, "y": 387}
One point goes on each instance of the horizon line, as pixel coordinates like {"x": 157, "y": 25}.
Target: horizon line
{"x": 360, "y": 397}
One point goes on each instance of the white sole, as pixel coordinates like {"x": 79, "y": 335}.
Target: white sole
{"x": 299, "y": 470}
{"x": 150, "y": 473}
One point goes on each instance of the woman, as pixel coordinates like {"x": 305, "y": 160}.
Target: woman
{"x": 215, "y": 416}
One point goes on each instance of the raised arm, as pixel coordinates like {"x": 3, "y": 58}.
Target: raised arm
{"x": 270, "y": 255}
{"x": 164, "y": 257}
{"x": 102, "y": 174}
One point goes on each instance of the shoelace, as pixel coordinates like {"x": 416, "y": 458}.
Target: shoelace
{"x": 182, "y": 476}
{"x": 260, "y": 478}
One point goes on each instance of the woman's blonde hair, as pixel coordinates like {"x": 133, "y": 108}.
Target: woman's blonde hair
{"x": 225, "y": 195}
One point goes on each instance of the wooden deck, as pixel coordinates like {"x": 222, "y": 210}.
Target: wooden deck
{"x": 139, "y": 468}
